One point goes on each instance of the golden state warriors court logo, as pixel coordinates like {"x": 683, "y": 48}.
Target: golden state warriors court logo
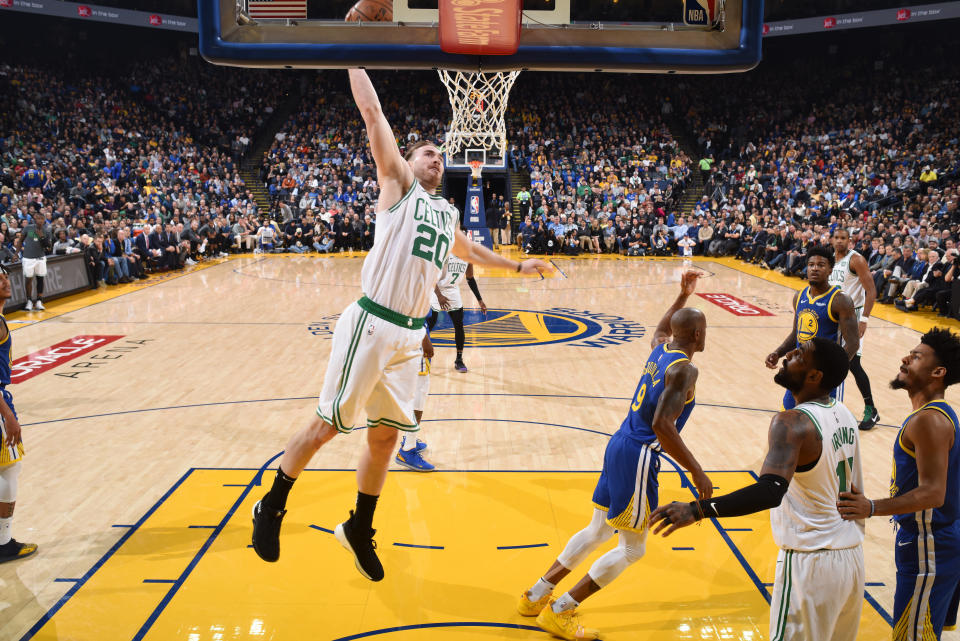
{"x": 806, "y": 325}
{"x": 518, "y": 327}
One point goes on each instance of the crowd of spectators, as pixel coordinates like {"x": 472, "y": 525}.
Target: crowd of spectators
{"x": 136, "y": 168}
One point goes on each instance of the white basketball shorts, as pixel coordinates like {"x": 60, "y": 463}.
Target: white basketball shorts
{"x": 423, "y": 385}
{"x": 34, "y": 267}
{"x": 817, "y": 595}
{"x": 372, "y": 369}
{"x": 452, "y": 294}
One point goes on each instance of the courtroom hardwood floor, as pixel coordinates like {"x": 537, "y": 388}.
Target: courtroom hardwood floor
{"x": 143, "y": 456}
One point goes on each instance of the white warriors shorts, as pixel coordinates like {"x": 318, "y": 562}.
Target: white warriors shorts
{"x": 817, "y": 595}
{"x": 372, "y": 369}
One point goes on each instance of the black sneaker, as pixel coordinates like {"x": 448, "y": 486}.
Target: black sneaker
{"x": 870, "y": 419}
{"x": 362, "y": 546}
{"x": 459, "y": 366}
{"x": 13, "y": 550}
{"x": 266, "y": 531}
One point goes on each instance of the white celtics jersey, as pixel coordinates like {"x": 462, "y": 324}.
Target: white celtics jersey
{"x": 849, "y": 283}
{"x": 807, "y": 519}
{"x": 411, "y": 244}
{"x": 454, "y": 272}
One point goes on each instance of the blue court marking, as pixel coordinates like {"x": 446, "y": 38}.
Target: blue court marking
{"x": 876, "y": 584}
{"x": 738, "y": 529}
{"x": 122, "y": 525}
{"x": 451, "y": 624}
{"x": 61, "y": 580}
{"x": 159, "y": 580}
{"x": 201, "y": 527}
{"x": 521, "y": 547}
{"x": 423, "y": 547}
{"x": 681, "y": 549}
{"x": 317, "y": 527}
{"x": 234, "y": 485}
{"x": 313, "y": 397}
{"x": 203, "y": 550}
{"x": 562, "y": 273}
{"x": 106, "y": 557}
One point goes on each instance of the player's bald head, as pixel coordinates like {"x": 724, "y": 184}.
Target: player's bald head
{"x": 689, "y": 325}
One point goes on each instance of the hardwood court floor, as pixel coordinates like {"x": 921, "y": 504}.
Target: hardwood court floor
{"x": 144, "y": 458}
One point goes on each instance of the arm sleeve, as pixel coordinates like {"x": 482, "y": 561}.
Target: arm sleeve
{"x": 472, "y": 282}
{"x": 765, "y": 494}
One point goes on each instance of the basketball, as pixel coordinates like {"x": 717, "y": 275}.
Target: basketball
{"x": 371, "y": 11}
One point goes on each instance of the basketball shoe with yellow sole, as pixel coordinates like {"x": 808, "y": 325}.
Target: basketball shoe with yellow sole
{"x": 529, "y": 608}
{"x": 565, "y": 625}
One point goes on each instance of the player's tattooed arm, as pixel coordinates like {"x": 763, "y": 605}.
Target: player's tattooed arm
{"x": 792, "y": 439}
{"x": 849, "y": 327}
{"x": 688, "y": 284}
{"x": 679, "y": 382}
{"x": 773, "y": 358}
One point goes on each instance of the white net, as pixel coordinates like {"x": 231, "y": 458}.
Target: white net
{"x": 479, "y": 102}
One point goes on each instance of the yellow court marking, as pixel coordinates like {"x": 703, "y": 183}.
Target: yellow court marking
{"x": 470, "y": 543}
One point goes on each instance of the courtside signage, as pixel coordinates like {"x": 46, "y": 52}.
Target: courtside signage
{"x": 26, "y": 367}
{"x": 734, "y": 305}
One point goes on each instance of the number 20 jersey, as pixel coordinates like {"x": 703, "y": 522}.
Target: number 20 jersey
{"x": 413, "y": 239}
{"x": 638, "y": 424}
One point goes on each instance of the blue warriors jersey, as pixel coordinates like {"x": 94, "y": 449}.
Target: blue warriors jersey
{"x": 639, "y": 422}
{"x": 814, "y": 318}
{"x": 7, "y": 454}
{"x": 904, "y": 476}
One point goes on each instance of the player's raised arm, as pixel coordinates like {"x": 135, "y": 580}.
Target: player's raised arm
{"x": 849, "y": 328}
{"x": 688, "y": 284}
{"x": 680, "y": 380}
{"x": 773, "y": 358}
{"x": 393, "y": 172}
{"x": 477, "y": 254}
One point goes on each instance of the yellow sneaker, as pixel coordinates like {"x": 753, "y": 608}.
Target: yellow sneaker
{"x": 529, "y": 608}
{"x": 565, "y": 625}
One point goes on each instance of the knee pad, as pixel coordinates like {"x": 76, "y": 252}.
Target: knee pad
{"x": 8, "y": 482}
{"x": 585, "y": 541}
{"x": 609, "y": 566}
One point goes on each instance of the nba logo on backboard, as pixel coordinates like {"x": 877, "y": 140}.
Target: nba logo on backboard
{"x": 156, "y": 20}
{"x": 699, "y": 13}
{"x": 6, "y": 3}
{"x": 84, "y": 11}
{"x": 829, "y": 23}
{"x": 474, "y": 205}
{"x": 903, "y": 14}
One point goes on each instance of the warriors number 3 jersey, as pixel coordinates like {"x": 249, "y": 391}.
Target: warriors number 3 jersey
{"x": 639, "y": 422}
{"x": 904, "y": 476}
{"x": 814, "y": 317}
{"x": 411, "y": 244}
{"x": 807, "y": 518}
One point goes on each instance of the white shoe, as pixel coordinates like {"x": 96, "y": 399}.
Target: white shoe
{"x": 29, "y": 306}
{"x": 39, "y": 306}
{"x": 224, "y": 254}
{"x": 190, "y": 261}
{"x": 257, "y": 251}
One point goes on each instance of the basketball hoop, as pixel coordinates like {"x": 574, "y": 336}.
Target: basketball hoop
{"x": 479, "y": 102}
{"x": 476, "y": 167}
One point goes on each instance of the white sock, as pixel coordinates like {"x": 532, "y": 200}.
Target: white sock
{"x": 541, "y": 589}
{"x": 564, "y": 603}
{"x": 409, "y": 443}
{"x": 5, "y": 525}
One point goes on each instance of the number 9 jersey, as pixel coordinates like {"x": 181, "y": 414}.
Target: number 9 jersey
{"x": 639, "y": 422}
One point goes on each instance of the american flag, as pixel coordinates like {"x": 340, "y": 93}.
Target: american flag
{"x": 277, "y": 8}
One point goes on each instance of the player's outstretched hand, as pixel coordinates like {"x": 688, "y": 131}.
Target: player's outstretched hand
{"x": 536, "y": 266}
{"x": 772, "y": 360}
{"x": 671, "y": 517}
{"x": 703, "y": 484}
{"x": 853, "y": 505}
{"x": 688, "y": 282}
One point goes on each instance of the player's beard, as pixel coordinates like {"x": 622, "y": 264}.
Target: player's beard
{"x": 782, "y": 378}
{"x": 898, "y": 384}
